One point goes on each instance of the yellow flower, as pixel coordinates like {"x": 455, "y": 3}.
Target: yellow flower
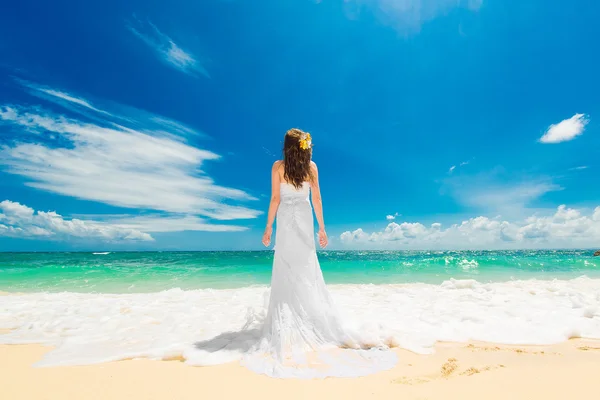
{"x": 306, "y": 142}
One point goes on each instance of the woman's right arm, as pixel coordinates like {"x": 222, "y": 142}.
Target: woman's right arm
{"x": 318, "y": 204}
{"x": 274, "y": 204}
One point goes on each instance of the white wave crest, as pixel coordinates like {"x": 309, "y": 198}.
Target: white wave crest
{"x": 88, "y": 328}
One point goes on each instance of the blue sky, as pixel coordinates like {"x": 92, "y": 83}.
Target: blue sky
{"x": 437, "y": 124}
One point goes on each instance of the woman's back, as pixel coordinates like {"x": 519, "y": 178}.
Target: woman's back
{"x": 295, "y": 227}
{"x": 288, "y": 191}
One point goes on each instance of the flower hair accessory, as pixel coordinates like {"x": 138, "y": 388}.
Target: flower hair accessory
{"x": 306, "y": 142}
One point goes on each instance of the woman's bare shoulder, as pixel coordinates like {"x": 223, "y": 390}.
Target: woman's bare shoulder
{"x": 277, "y": 164}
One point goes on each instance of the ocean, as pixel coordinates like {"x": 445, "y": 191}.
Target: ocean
{"x": 97, "y": 307}
{"x": 136, "y": 272}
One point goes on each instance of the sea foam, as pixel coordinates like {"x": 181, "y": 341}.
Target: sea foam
{"x": 207, "y": 326}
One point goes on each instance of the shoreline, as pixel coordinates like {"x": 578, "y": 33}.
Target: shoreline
{"x": 467, "y": 371}
{"x": 260, "y": 249}
{"x": 444, "y": 280}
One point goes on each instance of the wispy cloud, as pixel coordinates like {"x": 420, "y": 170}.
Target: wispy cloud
{"x": 565, "y": 227}
{"x": 391, "y": 217}
{"x": 160, "y": 222}
{"x": 121, "y": 117}
{"x": 173, "y": 223}
{"x": 500, "y": 196}
{"x": 122, "y": 165}
{"x": 68, "y": 98}
{"x": 166, "y": 49}
{"x": 17, "y": 220}
{"x": 407, "y": 16}
{"x": 498, "y": 192}
{"x": 462, "y": 164}
{"x": 565, "y": 130}
{"x": 579, "y": 168}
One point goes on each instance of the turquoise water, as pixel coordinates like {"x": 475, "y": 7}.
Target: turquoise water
{"x": 156, "y": 271}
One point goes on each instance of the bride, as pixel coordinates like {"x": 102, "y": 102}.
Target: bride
{"x": 303, "y": 335}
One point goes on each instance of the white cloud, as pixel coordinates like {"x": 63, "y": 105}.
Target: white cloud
{"x": 62, "y": 98}
{"x": 179, "y": 58}
{"x": 565, "y": 130}
{"x": 67, "y": 97}
{"x": 17, "y": 220}
{"x": 462, "y": 164}
{"x": 501, "y": 196}
{"x": 167, "y": 50}
{"x": 407, "y": 16}
{"x": 497, "y": 192}
{"x": 121, "y": 164}
{"x": 177, "y": 223}
{"x": 124, "y": 115}
{"x": 579, "y": 168}
{"x": 567, "y": 227}
{"x": 358, "y": 235}
{"x": 121, "y": 167}
{"x": 391, "y": 217}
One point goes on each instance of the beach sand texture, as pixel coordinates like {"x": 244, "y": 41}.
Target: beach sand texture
{"x": 456, "y": 371}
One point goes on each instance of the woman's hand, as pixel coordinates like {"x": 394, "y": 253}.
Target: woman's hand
{"x": 323, "y": 238}
{"x": 266, "y": 239}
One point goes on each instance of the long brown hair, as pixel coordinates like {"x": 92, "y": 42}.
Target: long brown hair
{"x": 296, "y": 160}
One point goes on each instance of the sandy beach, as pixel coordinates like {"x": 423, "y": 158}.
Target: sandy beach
{"x": 456, "y": 371}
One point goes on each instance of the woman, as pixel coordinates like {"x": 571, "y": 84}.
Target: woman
{"x": 302, "y": 335}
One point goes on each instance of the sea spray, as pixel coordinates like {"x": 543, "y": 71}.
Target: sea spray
{"x": 88, "y": 328}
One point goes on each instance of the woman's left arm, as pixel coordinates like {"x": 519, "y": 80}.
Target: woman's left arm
{"x": 274, "y": 204}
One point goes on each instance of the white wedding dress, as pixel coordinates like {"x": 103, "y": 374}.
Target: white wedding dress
{"x": 302, "y": 335}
